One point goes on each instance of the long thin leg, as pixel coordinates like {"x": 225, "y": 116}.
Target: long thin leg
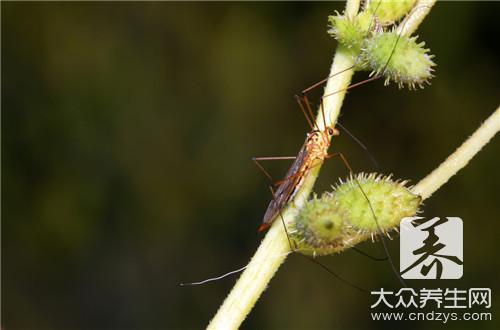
{"x": 376, "y": 76}
{"x": 308, "y": 107}
{"x": 309, "y": 119}
{"x": 292, "y": 244}
{"x": 293, "y": 248}
{"x": 324, "y": 117}
{"x": 339, "y": 154}
{"x": 358, "y": 141}
{"x": 321, "y": 82}
{"x": 283, "y": 222}
{"x": 352, "y": 86}
{"x": 288, "y": 178}
{"x": 273, "y": 192}
{"x": 373, "y": 20}
{"x": 368, "y": 255}
{"x": 259, "y": 165}
{"x": 280, "y": 182}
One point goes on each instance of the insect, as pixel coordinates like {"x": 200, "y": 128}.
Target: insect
{"x": 313, "y": 152}
{"x": 315, "y": 148}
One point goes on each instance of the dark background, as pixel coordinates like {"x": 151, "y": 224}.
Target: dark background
{"x": 127, "y": 133}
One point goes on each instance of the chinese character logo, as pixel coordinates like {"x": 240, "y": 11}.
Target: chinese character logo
{"x": 431, "y": 248}
{"x": 480, "y": 297}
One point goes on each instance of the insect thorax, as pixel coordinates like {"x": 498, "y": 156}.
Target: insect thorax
{"x": 317, "y": 145}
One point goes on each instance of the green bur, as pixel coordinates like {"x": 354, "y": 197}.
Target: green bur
{"x": 371, "y": 39}
{"x": 389, "y": 11}
{"x": 349, "y": 32}
{"x": 340, "y": 219}
{"x": 398, "y": 58}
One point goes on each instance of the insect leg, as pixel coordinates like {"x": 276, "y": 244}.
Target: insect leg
{"x": 256, "y": 160}
{"x": 368, "y": 255}
{"x": 373, "y": 20}
{"x": 361, "y": 144}
{"x": 339, "y": 154}
{"x": 310, "y": 116}
{"x": 292, "y": 246}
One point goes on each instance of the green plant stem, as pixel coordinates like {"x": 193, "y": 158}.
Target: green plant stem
{"x": 352, "y": 7}
{"x": 275, "y": 246}
{"x": 437, "y": 178}
{"x": 460, "y": 158}
{"x": 420, "y": 11}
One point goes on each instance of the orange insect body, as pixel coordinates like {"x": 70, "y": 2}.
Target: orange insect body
{"x": 312, "y": 153}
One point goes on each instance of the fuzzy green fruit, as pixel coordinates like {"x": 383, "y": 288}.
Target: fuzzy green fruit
{"x": 348, "y": 31}
{"x": 398, "y": 58}
{"x": 390, "y": 201}
{"x": 319, "y": 225}
{"x": 389, "y": 11}
{"x": 340, "y": 219}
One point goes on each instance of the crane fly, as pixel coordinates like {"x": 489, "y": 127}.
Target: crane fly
{"x": 315, "y": 148}
{"x": 313, "y": 152}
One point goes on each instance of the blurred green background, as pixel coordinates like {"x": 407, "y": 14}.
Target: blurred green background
{"x": 127, "y": 134}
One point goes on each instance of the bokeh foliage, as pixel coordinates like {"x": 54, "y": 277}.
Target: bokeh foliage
{"x": 127, "y": 134}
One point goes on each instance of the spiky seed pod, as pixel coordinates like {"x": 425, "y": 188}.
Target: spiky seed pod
{"x": 389, "y": 11}
{"x": 351, "y": 32}
{"x": 391, "y": 201}
{"x": 343, "y": 217}
{"x": 348, "y": 31}
{"x": 399, "y": 58}
{"x": 319, "y": 224}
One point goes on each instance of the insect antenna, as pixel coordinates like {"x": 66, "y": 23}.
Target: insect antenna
{"x": 213, "y": 279}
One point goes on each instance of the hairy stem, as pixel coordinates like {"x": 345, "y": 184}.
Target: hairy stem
{"x": 275, "y": 246}
{"x": 437, "y": 178}
{"x": 420, "y": 11}
{"x": 460, "y": 158}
